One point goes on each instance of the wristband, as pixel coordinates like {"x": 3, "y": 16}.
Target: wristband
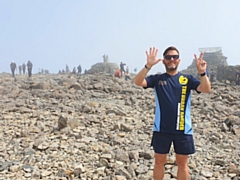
{"x": 203, "y": 74}
{"x": 147, "y": 67}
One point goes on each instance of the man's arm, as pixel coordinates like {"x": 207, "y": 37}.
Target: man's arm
{"x": 140, "y": 78}
{"x": 205, "y": 85}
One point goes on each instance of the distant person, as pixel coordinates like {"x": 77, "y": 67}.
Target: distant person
{"x": 24, "y": 68}
{"x": 127, "y": 76}
{"x": 212, "y": 75}
{"x": 127, "y": 70}
{"x": 67, "y": 69}
{"x": 118, "y": 73}
{"x": 122, "y": 68}
{"x": 135, "y": 70}
{"x": 208, "y": 74}
{"x": 20, "y": 69}
{"x": 79, "y": 69}
{"x": 74, "y": 71}
{"x": 29, "y": 67}
{"x": 237, "y": 78}
{"x": 13, "y": 67}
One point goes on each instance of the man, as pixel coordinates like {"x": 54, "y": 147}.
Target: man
{"x": 13, "y": 67}
{"x": 74, "y": 71}
{"x": 237, "y": 78}
{"x": 122, "y": 68}
{"x": 172, "y": 113}
{"x": 67, "y": 69}
{"x": 23, "y": 67}
{"x": 20, "y": 69}
{"x": 79, "y": 69}
{"x": 29, "y": 67}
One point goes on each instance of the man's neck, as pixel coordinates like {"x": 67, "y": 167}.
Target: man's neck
{"x": 172, "y": 73}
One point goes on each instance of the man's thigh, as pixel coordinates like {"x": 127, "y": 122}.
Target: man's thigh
{"x": 161, "y": 142}
{"x": 184, "y": 144}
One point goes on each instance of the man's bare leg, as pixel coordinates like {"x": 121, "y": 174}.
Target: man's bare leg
{"x": 182, "y": 163}
{"x": 160, "y": 160}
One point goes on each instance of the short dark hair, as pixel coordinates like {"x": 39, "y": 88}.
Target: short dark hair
{"x": 171, "y": 48}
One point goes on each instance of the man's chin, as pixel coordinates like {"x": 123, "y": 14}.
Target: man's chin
{"x": 171, "y": 68}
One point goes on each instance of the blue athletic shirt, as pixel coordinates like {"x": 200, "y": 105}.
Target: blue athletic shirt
{"x": 173, "y": 100}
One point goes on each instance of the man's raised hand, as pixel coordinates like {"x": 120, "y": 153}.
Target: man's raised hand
{"x": 152, "y": 57}
{"x": 200, "y": 63}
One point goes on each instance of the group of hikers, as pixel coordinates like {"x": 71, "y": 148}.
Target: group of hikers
{"x": 211, "y": 75}
{"x": 76, "y": 71}
{"x": 22, "y": 68}
{"x": 119, "y": 73}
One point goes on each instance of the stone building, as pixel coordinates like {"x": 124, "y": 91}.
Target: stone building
{"x": 216, "y": 64}
{"x": 214, "y": 58}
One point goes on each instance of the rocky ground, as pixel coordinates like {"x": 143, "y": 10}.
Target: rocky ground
{"x": 95, "y": 127}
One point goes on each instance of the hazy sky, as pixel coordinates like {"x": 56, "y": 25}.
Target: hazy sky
{"x": 53, "y": 33}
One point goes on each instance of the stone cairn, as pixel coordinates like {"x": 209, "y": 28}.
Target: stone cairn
{"x": 103, "y": 67}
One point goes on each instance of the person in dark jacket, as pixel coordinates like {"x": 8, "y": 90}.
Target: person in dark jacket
{"x": 122, "y": 68}
{"x": 29, "y": 67}
{"x": 24, "y": 68}
{"x": 13, "y": 67}
{"x": 79, "y": 70}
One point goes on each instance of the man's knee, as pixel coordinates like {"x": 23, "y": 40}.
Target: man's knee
{"x": 182, "y": 165}
{"x": 160, "y": 160}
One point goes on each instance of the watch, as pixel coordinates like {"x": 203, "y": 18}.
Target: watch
{"x": 147, "y": 67}
{"x": 203, "y": 74}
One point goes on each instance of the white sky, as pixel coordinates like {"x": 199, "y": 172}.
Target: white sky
{"x": 53, "y": 33}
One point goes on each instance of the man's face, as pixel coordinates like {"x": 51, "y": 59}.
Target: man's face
{"x": 171, "y": 60}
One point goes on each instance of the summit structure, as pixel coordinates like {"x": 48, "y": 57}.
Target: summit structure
{"x": 214, "y": 58}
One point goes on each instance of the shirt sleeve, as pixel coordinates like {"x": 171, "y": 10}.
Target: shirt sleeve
{"x": 151, "y": 82}
{"x": 194, "y": 83}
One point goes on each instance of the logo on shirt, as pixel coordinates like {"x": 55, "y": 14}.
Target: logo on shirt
{"x": 162, "y": 83}
{"x": 183, "y": 80}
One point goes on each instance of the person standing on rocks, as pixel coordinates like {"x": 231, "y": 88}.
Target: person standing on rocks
{"x": 74, "y": 71}
{"x": 67, "y": 69}
{"x": 122, "y": 68}
{"x": 20, "y": 69}
{"x": 29, "y": 67}
{"x": 79, "y": 69}
{"x": 172, "y": 112}
{"x": 237, "y": 78}
{"x": 13, "y": 67}
{"x": 24, "y": 68}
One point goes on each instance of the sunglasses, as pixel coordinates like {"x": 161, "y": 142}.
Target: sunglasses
{"x": 169, "y": 57}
